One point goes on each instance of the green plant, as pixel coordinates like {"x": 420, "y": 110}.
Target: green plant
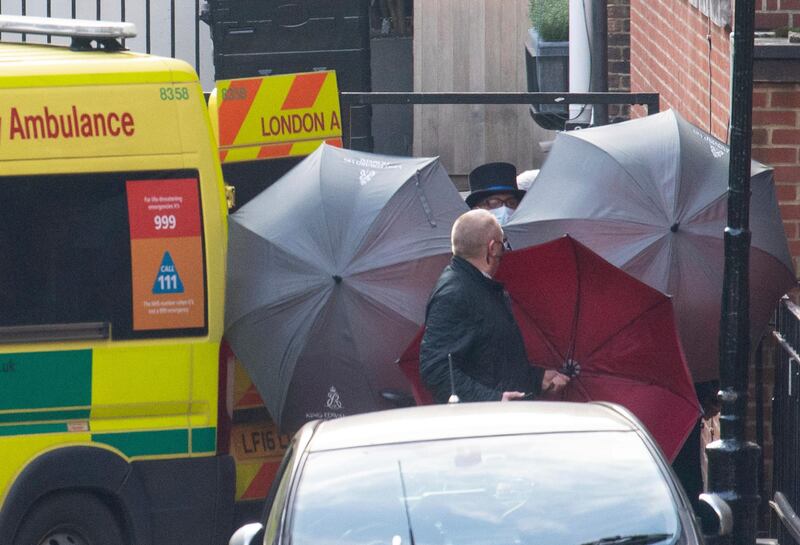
{"x": 550, "y": 18}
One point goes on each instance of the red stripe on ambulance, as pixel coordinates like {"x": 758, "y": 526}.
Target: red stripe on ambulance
{"x": 260, "y": 484}
{"x": 234, "y": 110}
{"x": 304, "y": 91}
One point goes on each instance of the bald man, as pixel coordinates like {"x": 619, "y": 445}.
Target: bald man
{"x": 469, "y": 317}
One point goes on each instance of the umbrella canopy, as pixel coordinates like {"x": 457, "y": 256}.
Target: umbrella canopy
{"x": 650, "y": 196}
{"x": 329, "y": 271}
{"x": 613, "y": 333}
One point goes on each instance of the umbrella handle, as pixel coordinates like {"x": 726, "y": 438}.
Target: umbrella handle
{"x": 571, "y": 368}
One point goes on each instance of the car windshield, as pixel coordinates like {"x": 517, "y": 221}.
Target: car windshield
{"x": 549, "y": 489}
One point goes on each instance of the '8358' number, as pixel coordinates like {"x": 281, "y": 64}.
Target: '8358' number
{"x": 174, "y": 93}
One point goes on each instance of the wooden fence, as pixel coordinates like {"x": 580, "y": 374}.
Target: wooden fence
{"x": 473, "y": 45}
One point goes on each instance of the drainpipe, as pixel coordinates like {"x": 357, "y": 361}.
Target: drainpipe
{"x": 733, "y": 462}
{"x": 588, "y": 58}
{"x": 598, "y": 44}
{"x": 579, "y": 61}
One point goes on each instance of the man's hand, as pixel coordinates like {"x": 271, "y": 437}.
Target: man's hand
{"x": 553, "y": 381}
{"x": 711, "y": 408}
{"x": 512, "y": 396}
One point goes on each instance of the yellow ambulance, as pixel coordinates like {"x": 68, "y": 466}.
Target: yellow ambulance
{"x": 112, "y": 256}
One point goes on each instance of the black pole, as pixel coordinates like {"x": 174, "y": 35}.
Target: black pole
{"x": 733, "y": 462}
{"x": 598, "y": 47}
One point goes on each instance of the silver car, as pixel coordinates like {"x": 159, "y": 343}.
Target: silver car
{"x": 515, "y": 473}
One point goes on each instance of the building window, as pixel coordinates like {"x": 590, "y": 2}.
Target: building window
{"x": 719, "y": 11}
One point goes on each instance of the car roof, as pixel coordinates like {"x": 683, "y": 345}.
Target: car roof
{"x": 460, "y": 420}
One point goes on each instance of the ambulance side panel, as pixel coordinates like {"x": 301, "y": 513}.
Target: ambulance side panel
{"x": 112, "y": 301}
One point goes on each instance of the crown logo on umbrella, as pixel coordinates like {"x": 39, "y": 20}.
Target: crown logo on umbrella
{"x": 334, "y": 401}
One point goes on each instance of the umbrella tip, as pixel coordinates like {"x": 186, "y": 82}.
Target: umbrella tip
{"x": 674, "y": 227}
{"x": 337, "y": 278}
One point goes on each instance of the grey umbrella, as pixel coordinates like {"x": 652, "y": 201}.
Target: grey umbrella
{"x": 329, "y": 271}
{"x": 650, "y": 196}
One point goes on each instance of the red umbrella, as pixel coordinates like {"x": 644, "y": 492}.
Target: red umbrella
{"x": 613, "y": 333}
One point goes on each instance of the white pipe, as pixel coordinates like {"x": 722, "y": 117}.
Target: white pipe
{"x": 579, "y": 57}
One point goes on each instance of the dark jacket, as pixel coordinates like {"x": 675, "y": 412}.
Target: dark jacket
{"x": 469, "y": 316}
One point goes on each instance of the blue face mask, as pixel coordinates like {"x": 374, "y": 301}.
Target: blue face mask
{"x": 503, "y": 214}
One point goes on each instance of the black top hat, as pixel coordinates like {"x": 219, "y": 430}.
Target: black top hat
{"x": 492, "y": 178}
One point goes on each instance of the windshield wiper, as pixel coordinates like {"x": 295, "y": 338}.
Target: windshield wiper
{"x": 634, "y": 539}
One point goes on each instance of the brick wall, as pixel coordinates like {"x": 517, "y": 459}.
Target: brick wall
{"x": 772, "y": 14}
{"x": 768, "y": 351}
{"x": 677, "y": 52}
{"x": 619, "y": 48}
{"x": 776, "y": 142}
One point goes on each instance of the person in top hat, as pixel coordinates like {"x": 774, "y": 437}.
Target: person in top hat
{"x": 493, "y": 187}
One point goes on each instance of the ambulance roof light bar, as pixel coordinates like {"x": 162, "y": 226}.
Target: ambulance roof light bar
{"x": 82, "y": 31}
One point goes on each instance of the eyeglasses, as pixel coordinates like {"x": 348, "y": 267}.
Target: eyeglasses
{"x": 490, "y": 203}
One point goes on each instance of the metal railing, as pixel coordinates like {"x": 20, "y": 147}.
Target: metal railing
{"x": 354, "y": 104}
{"x": 786, "y": 422}
{"x": 166, "y": 27}
{"x": 649, "y": 100}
